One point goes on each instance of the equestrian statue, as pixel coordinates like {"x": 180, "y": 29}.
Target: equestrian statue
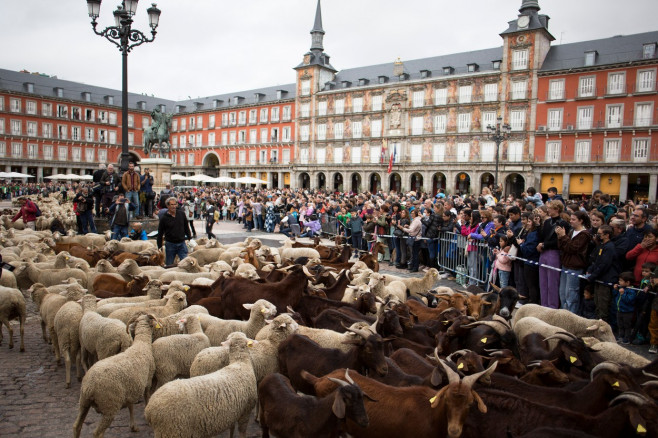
{"x": 158, "y": 133}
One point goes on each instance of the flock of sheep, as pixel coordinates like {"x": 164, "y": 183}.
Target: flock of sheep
{"x": 202, "y": 343}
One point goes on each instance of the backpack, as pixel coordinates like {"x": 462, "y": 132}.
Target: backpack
{"x": 38, "y": 213}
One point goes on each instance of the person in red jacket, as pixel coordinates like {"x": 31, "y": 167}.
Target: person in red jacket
{"x": 644, "y": 252}
{"x": 28, "y": 212}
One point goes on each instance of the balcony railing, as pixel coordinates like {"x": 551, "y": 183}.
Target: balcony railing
{"x": 598, "y": 124}
{"x": 602, "y": 91}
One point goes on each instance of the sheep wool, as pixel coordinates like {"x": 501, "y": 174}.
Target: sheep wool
{"x": 12, "y": 306}
{"x": 67, "y": 328}
{"x": 205, "y": 406}
{"x": 218, "y": 330}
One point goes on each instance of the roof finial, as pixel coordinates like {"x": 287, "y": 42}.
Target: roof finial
{"x": 529, "y": 6}
{"x": 317, "y": 32}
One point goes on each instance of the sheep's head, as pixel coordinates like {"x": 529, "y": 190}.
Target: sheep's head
{"x": 104, "y": 266}
{"x": 282, "y": 326}
{"x": 601, "y": 330}
{"x": 177, "y": 299}
{"x": 261, "y": 307}
{"x": 188, "y": 263}
{"x": 111, "y": 246}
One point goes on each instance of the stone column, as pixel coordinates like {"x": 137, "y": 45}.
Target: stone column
{"x": 280, "y": 180}
{"x": 596, "y": 182}
{"x": 653, "y": 185}
{"x": 565, "y": 184}
{"x": 623, "y": 187}
{"x": 39, "y": 174}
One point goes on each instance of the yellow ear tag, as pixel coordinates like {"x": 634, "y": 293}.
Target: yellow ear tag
{"x": 641, "y": 429}
{"x": 356, "y": 299}
{"x": 250, "y": 343}
{"x": 157, "y": 325}
{"x": 615, "y": 385}
{"x": 432, "y": 399}
{"x": 573, "y": 359}
{"x": 460, "y": 366}
{"x": 483, "y": 340}
{"x": 263, "y": 310}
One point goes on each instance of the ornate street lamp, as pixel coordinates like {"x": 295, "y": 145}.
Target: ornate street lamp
{"x": 125, "y": 38}
{"x": 499, "y": 134}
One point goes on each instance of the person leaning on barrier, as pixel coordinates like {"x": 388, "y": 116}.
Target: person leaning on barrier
{"x": 174, "y": 230}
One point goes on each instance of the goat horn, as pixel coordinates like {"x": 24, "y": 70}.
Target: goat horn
{"x": 496, "y": 353}
{"x": 653, "y": 376}
{"x": 453, "y": 377}
{"x": 373, "y": 326}
{"x": 364, "y": 334}
{"x": 347, "y": 376}
{"x": 534, "y": 363}
{"x": 290, "y": 309}
{"x": 495, "y": 325}
{"x": 340, "y": 382}
{"x": 494, "y": 287}
{"x": 561, "y": 336}
{"x": 611, "y": 366}
{"x": 457, "y": 353}
{"x": 307, "y": 272}
{"x": 502, "y": 320}
{"x": 650, "y": 383}
{"x": 468, "y": 381}
{"x": 634, "y": 397}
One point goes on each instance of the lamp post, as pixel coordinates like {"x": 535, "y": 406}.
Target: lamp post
{"x": 499, "y": 134}
{"x": 125, "y": 38}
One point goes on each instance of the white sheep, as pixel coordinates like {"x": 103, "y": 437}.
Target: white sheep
{"x": 331, "y": 339}
{"x": 50, "y": 305}
{"x": 176, "y": 302}
{"x": 100, "y": 337}
{"x": 107, "y": 309}
{"x": 530, "y": 324}
{"x": 611, "y": 351}
{"x": 205, "y": 406}
{"x": 12, "y": 306}
{"x": 568, "y": 321}
{"x": 130, "y": 246}
{"x": 119, "y": 381}
{"x": 218, "y": 329}
{"x": 203, "y": 282}
{"x": 186, "y": 277}
{"x": 207, "y": 255}
{"x": 382, "y": 290}
{"x": 67, "y": 328}
{"x": 264, "y": 355}
{"x": 247, "y": 270}
{"x": 174, "y": 354}
{"x": 419, "y": 286}
{"x": 289, "y": 253}
{"x": 50, "y": 277}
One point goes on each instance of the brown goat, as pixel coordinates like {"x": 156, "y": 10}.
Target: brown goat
{"x": 119, "y": 288}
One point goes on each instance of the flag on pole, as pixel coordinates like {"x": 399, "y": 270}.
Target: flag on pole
{"x": 390, "y": 161}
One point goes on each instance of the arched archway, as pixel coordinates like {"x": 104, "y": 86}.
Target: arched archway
{"x": 338, "y": 181}
{"x": 462, "y": 183}
{"x": 416, "y": 182}
{"x": 486, "y": 180}
{"x": 210, "y": 164}
{"x": 356, "y": 183}
{"x": 438, "y": 182}
{"x": 375, "y": 183}
{"x": 395, "y": 182}
{"x": 304, "y": 180}
{"x": 322, "y": 180}
{"x": 514, "y": 185}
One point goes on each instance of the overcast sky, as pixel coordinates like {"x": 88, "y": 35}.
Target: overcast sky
{"x": 207, "y": 47}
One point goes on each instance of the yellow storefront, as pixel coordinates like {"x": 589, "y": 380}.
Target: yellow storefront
{"x": 581, "y": 184}
{"x": 551, "y": 180}
{"x": 610, "y": 183}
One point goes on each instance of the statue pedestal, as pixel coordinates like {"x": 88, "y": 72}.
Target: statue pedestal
{"x": 160, "y": 169}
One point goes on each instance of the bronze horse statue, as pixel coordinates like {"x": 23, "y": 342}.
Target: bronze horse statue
{"x": 158, "y": 134}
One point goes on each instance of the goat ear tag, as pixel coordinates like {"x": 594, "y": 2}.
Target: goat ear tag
{"x": 483, "y": 340}
{"x": 573, "y": 359}
{"x": 263, "y": 310}
{"x": 250, "y": 343}
{"x": 616, "y": 384}
{"x": 157, "y": 325}
{"x": 460, "y": 366}
{"x": 641, "y": 429}
{"x": 433, "y": 399}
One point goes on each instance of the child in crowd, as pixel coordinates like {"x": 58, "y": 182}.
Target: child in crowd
{"x": 589, "y": 306}
{"x": 503, "y": 264}
{"x": 640, "y": 335}
{"x": 624, "y": 302}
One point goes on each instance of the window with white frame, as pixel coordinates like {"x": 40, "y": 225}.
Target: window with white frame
{"x": 102, "y": 155}
{"x": 263, "y": 156}
{"x": 190, "y": 160}
{"x": 231, "y": 157}
{"x": 306, "y": 87}
{"x": 285, "y": 134}
{"x": 465, "y": 93}
{"x": 211, "y": 139}
{"x": 646, "y": 81}
{"x": 418, "y": 98}
{"x": 211, "y": 119}
{"x": 242, "y": 157}
{"x": 305, "y": 110}
{"x": 554, "y": 119}
{"x": 263, "y": 135}
{"x": 224, "y": 119}
{"x": 556, "y": 89}
{"x": 303, "y": 155}
{"x": 440, "y": 96}
{"x": 48, "y": 152}
{"x": 338, "y": 155}
{"x": 2, "y": 126}
{"x": 586, "y": 86}
{"x": 62, "y": 131}
{"x": 356, "y": 154}
{"x": 75, "y": 133}
{"x": 174, "y": 125}
{"x": 224, "y": 138}
{"x": 76, "y": 154}
{"x": 275, "y": 114}
{"x": 464, "y": 122}
{"x": 242, "y": 119}
{"x": 322, "y": 131}
{"x": 612, "y": 151}
{"x": 648, "y": 50}
{"x": 232, "y": 119}
{"x": 417, "y": 125}
{"x": 553, "y": 151}
{"x": 62, "y": 111}
{"x": 357, "y": 131}
{"x": 488, "y": 119}
{"x": 253, "y": 136}
{"x": 439, "y": 152}
{"x": 112, "y": 137}
{"x": 376, "y": 128}
{"x": 515, "y": 151}
{"x": 487, "y": 151}
{"x": 183, "y": 124}
{"x": 285, "y": 156}
{"x": 3, "y": 149}
{"x": 286, "y": 113}
{"x": 322, "y": 108}
{"x": 377, "y": 102}
{"x": 357, "y": 104}
{"x": 490, "y": 92}
{"x": 519, "y": 89}
{"x": 15, "y": 105}
{"x": 174, "y": 141}
{"x": 2, "y": 103}
{"x": 616, "y": 82}
{"x": 89, "y": 155}
{"x": 338, "y": 130}
{"x": 440, "y": 123}
{"x": 339, "y": 106}
{"x": 199, "y": 139}
{"x": 33, "y": 151}
{"x": 416, "y": 153}
{"x": 463, "y": 152}
{"x": 320, "y": 155}
{"x": 31, "y": 107}
{"x": 62, "y": 153}
{"x": 113, "y": 118}
{"x": 304, "y": 132}
{"x": 252, "y": 157}
{"x": 585, "y": 117}
{"x": 375, "y": 154}
{"x": 46, "y": 109}
{"x": 232, "y": 138}
{"x": 102, "y": 116}
{"x": 583, "y": 154}
{"x": 47, "y": 130}
{"x": 17, "y": 127}
{"x": 199, "y": 122}
{"x": 519, "y": 59}
{"x": 242, "y": 137}
{"x": 640, "y": 150}
{"x": 17, "y": 150}
{"x": 517, "y": 120}
{"x": 643, "y": 114}
{"x": 131, "y": 121}
{"x": 613, "y": 116}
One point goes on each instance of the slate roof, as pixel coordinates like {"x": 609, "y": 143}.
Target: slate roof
{"x": 267, "y": 94}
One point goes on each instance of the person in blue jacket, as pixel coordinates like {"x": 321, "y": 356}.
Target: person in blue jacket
{"x": 623, "y": 296}
{"x": 137, "y": 233}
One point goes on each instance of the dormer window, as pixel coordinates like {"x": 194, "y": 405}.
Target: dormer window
{"x": 216, "y": 103}
{"x": 109, "y": 100}
{"x": 448, "y": 70}
{"x": 29, "y": 87}
{"x": 590, "y": 58}
{"x": 180, "y": 108}
{"x": 404, "y": 76}
{"x": 59, "y": 92}
{"x": 237, "y": 99}
{"x": 86, "y": 96}
{"x": 163, "y": 108}
{"x": 198, "y": 105}
{"x": 382, "y": 79}
{"x": 648, "y": 51}
{"x": 258, "y": 97}
{"x": 363, "y": 81}
{"x": 425, "y": 74}
{"x": 346, "y": 84}
{"x": 495, "y": 65}
{"x": 141, "y": 105}
{"x": 472, "y": 68}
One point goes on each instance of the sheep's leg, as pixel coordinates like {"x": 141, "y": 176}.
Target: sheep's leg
{"x": 67, "y": 365}
{"x": 53, "y": 338}
{"x": 83, "y": 358}
{"x": 22, "y": 328}
{"x": 105, "y": 422}
{"x": 82, "y": 414}
{"x": 43, "y": 331}
{"x": 133, "y": 425}
{"x": 242, "y": 425}
{"x": 11, "y": 332}
{"x": 78, "y": 366}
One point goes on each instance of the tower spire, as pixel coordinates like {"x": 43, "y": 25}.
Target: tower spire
{"x": 317, "y": 33}
{"x": 529, "y": 6}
